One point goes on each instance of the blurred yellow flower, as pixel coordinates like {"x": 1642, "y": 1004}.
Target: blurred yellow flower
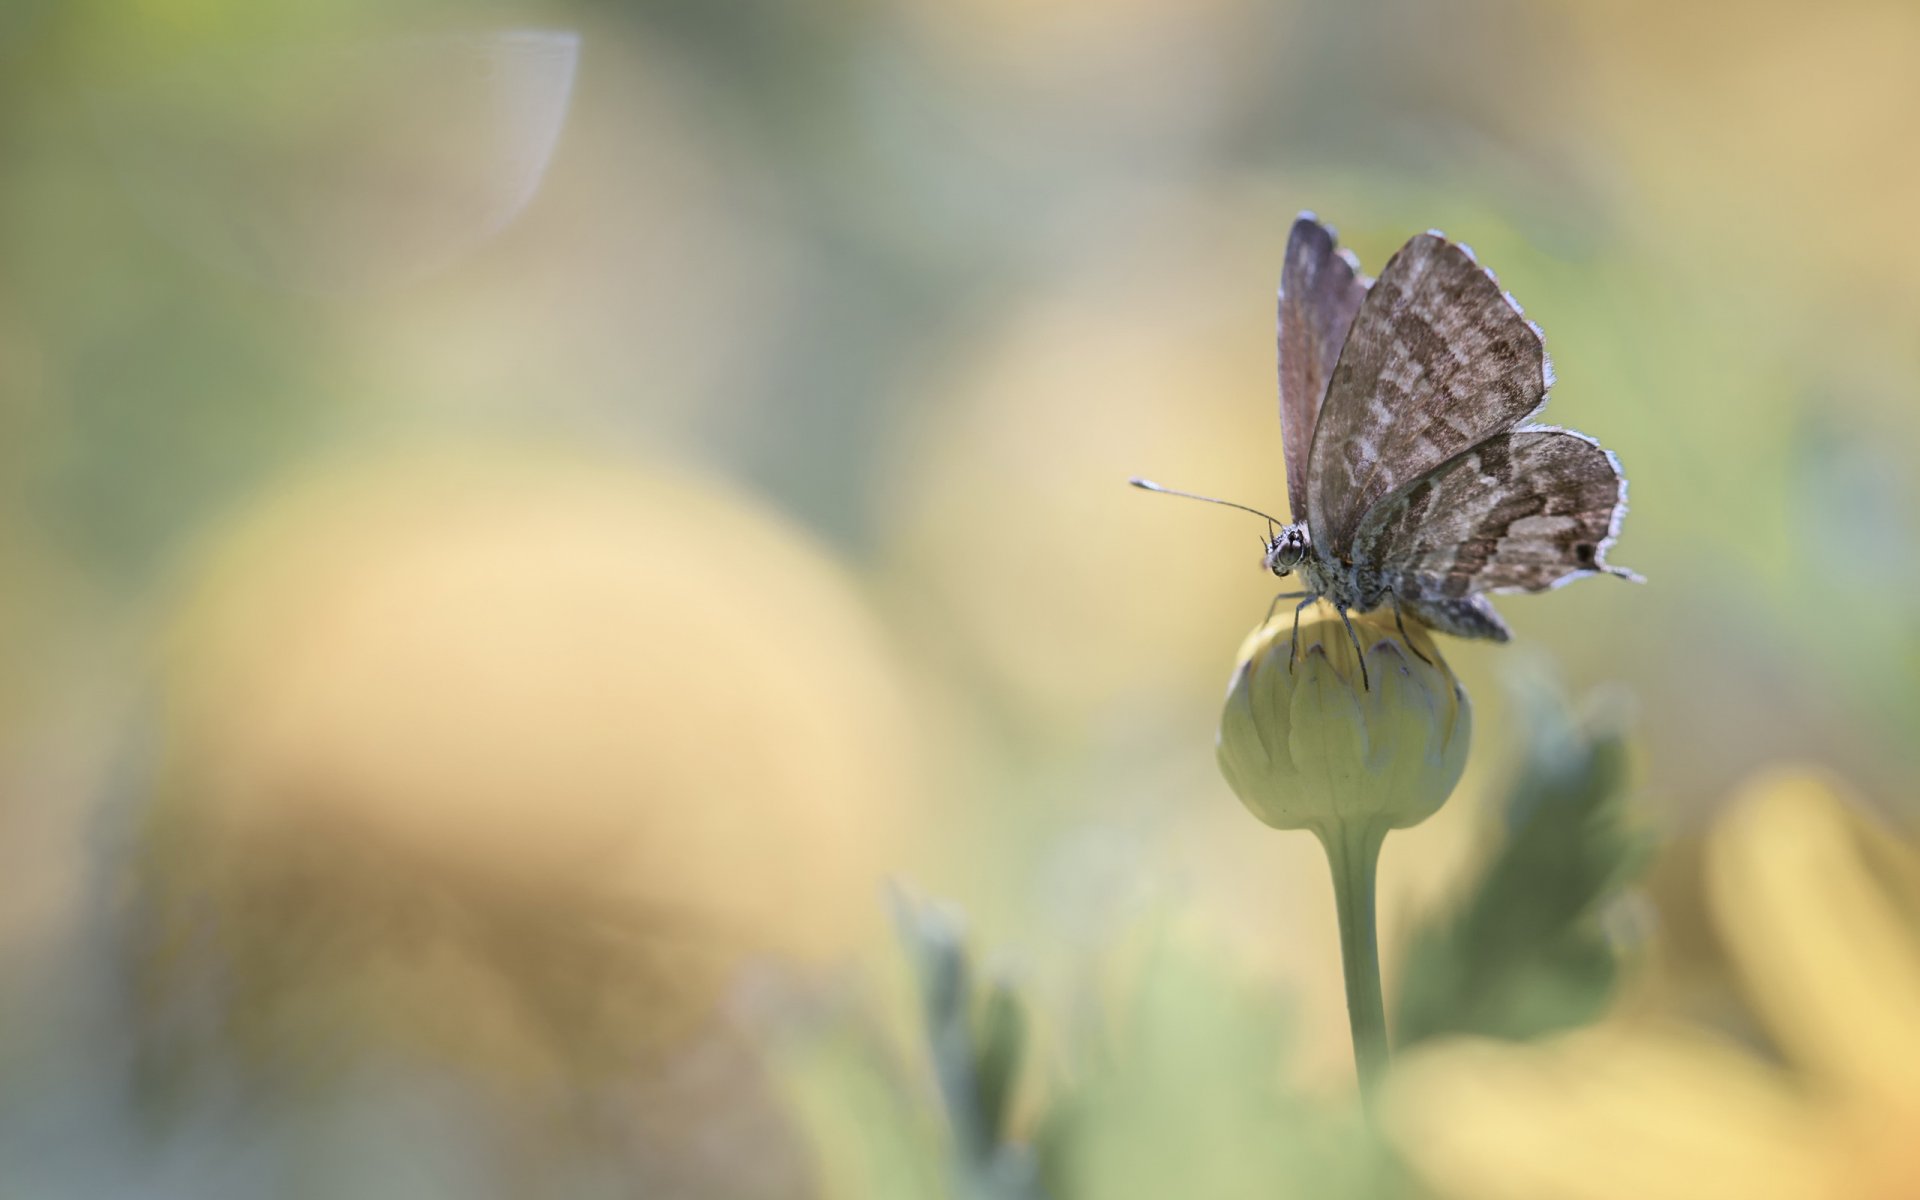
{"x": 510, "y": 762}
{"x": 1305, "y": 740}
{"x": 1817, "y": 908}
{"x": 1012, "y": 532}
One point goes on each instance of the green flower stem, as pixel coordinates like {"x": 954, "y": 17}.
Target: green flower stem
{"x": 1353, "y": 854}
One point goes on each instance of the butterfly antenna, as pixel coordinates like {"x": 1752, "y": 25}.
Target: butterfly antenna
{"x": 1150, "y": 486}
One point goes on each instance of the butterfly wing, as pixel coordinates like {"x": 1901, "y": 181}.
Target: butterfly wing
{"x": 1438, "y": 360}
{"x": 1466, "y": 617}
{"x": 1521, "y": 511}
{"x": 1320, "y": 291}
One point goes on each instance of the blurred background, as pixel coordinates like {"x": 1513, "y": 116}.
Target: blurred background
{"x": 515, "y": 519}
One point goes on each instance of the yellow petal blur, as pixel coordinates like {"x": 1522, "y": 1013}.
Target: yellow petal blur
{"x": 512, "y": 756}
{"x": 1604, "y": 1115}
{"x": 1828, "y": 958}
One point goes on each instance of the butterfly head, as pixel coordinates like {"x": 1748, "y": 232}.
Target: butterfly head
{"x": 1286, "y": 550}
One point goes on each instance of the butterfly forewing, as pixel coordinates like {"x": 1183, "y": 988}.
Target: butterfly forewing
{"x": 1438, "y": 360}
{"x": 1320, "y": 291}
{"x": 1521, "y": 511}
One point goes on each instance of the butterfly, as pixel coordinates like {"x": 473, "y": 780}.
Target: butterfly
{"x": 1413, "y": 476}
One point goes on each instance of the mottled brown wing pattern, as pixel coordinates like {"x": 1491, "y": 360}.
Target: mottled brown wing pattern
{"x": 1465, "y": 616}
{"x": 1320, "y": 291}
{"x": 1438, "y": 360}
{"x": 1522, "y": 511}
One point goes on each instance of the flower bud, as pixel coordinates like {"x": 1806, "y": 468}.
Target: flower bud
{"x": 1308, "y": 742}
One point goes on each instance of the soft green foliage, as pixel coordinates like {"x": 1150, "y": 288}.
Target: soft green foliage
{"x": 1526, "y": 952}
{"x": 1181, "y": 1089}
{"x": 1001, "y": 1047}
{"x": 1190, "y": 1098}
{"x": 976, "y": 1044}
{"x": 847, "y": 1099}
{"x": 879, "y": 1127}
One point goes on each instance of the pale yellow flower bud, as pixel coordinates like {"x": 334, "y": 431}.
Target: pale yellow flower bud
{"x": 1306, "y": 744}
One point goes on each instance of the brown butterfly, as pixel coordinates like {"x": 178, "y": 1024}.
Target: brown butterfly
{"x": 1411, "y": 476}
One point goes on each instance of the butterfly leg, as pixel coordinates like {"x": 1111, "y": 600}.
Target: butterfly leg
{"x": 1365, "y": 683}
{"x": 1402, "y": 627}
{"x": 1293, "y": 647}
{"x": 1275, "y": 606}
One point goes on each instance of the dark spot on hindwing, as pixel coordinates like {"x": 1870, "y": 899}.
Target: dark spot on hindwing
{"x": 1496, "y": 459}
{"x": 1418, "y": 498}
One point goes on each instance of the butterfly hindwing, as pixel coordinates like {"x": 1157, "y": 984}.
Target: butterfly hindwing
{"x": 1521, "y": 511}
{"x": 1438, "y": 360}
{"x": 1320, "y": 291}
{"x": 1465, "y": 617}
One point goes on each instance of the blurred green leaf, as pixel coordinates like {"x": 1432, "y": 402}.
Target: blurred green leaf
{"x": 1526, "y": 951}
{"x": 976, "y": 1062}
{"x": 1002, "y": 1042}
{"x": 1189, "y": 1096}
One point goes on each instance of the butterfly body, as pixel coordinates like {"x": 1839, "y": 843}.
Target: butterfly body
{"x": 1291, "y": 550}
